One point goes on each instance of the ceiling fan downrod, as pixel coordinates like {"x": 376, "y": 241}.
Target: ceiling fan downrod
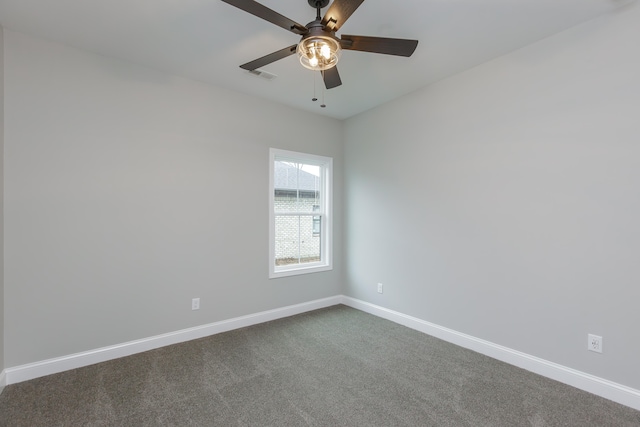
{"x": 318, "y": 3}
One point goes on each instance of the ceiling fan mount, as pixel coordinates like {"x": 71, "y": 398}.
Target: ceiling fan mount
{"x": 319, "y": 49}
{"x": 318, "y": 3}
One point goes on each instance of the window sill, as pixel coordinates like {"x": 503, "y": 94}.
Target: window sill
{"x": 299, "y": 270}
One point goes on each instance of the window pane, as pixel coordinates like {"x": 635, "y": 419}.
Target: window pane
{"x": 296, "y": 186}
{"x": 295, "y": 241}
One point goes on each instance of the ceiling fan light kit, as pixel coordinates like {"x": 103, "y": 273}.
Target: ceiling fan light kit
{"x": 320, "y": 49}
{"x": 319, "y": 53}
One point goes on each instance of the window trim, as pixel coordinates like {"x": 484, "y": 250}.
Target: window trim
{"x": 326, "y": 231}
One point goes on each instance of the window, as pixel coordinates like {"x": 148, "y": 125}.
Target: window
{"x": 300, "y": 213}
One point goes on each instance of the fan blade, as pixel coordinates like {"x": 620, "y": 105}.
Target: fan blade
{"x": 331, "y": 78}
{"x": 267, "y": 14}
{"x": 399, "y": 47}
{"x": 268, "y": 59}
{"x": 339, "y": 12}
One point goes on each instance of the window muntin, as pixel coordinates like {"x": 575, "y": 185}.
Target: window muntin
{"x": 300, "y": 196}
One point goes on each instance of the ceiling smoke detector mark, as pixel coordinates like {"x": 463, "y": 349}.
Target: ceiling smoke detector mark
{"x": 262, "y": 74}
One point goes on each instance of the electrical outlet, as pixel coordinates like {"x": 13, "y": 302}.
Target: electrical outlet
{"x": 195, "y": 304}
{"x": 379, "y": 288}
{"x": 595, "y": 343}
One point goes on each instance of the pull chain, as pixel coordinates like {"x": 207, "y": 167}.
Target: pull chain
{"x": 314, "y": 99}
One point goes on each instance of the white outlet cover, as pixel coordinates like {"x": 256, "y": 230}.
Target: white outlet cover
{"x": 594, "y": 343}
{"x": 195, "y": 304}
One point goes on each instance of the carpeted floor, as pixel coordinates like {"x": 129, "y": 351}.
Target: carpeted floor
{"x": 331, "y": 367}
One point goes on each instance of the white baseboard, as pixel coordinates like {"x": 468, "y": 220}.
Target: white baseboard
{"x": 598, "y": 386}
{"x": 59, "y": 364}
{"x": 604, "y": 388}
{"x": 3, "y": 381}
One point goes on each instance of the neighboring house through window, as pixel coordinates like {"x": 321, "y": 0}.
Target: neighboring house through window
{"x": 300, "y": 221}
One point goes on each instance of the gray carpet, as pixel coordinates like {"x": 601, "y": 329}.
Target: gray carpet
{"x": 331, "y": 367}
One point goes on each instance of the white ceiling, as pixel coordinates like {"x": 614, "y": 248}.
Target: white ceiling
{"x": 207, "y": 40}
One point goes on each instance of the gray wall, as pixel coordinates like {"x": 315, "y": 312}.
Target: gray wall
{"x": 1, "y": 200}
{"x": 504, "y": 202}
{"x": 128, "y": 192}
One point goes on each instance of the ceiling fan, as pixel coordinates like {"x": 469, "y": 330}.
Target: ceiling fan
{"x": 320, "y": 49}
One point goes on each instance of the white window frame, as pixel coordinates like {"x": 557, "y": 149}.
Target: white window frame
{"x": 325, "y": 212}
